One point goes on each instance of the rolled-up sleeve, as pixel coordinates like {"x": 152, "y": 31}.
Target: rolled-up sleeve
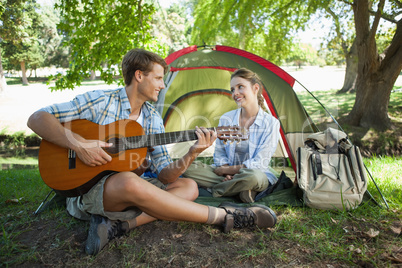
{"x": 159, "y": 155}
{"x": 83, "y": 106}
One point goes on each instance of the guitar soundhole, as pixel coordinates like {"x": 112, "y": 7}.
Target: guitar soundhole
{"x": 116, "y": 148}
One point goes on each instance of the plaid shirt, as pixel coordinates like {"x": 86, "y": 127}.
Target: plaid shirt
{"x": 105, "y": 107}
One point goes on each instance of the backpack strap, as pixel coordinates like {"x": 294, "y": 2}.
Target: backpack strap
{"x": 318, "y": 162}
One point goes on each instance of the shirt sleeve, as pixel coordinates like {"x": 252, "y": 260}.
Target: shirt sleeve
{"x": 84, "y": 106}
{"x": 160, "y": 157}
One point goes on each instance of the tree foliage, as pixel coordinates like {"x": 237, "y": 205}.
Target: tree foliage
{"x": 266, "y": 27}
{"x": 100, "y": 33}
{"x": 172, "y": 26}
{"x": 19, "y": 31}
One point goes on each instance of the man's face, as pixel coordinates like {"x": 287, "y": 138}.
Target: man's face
{"x": 152, "y": 84}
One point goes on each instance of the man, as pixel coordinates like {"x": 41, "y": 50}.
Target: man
{"x": 121, "y": 201}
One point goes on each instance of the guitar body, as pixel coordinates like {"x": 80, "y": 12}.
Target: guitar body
{"x": 64, "y": 172}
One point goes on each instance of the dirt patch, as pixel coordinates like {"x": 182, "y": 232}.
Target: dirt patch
{"x": 58, "y": 241}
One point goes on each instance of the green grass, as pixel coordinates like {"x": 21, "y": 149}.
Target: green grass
{"x": 19, "y": 161}
{"x": 340, "y": 236}
{"x": 339, "y": 105}
{"x": 387, "y": 172}
{"x": 21, "y": 191}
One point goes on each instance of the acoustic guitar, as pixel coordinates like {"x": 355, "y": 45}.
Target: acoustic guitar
{"x": 64, "y": 172}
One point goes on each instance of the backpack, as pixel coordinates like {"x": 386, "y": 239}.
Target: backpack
{"x": 330, "y": 171}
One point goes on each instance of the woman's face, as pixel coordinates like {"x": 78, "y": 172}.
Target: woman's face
{"x": 243, "y": 93}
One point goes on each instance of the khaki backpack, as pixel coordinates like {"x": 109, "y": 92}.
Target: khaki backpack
{"x": 330, "y": 171}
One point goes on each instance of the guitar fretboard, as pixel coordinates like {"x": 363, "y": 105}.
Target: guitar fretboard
{"x": 152, "y": 140}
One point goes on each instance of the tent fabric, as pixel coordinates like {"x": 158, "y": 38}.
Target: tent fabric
{"x": 198, "y": 92}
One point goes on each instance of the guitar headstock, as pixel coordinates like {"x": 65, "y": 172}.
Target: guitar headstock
{"x": 231, "y": 133}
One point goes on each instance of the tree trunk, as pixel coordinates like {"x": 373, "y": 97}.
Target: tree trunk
{"x": 3, "y": 84}
{"x": 376, "y": 73}
{"x": 93, "y": 75}
{"x": 24, "y": 75}
{"x": 349, "y": 83}
{"x": 371, "y": 104}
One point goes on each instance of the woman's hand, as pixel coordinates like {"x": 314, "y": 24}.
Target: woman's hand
{"x": 220, "y": 171}
{"x": 227, "y": 170}
{"x": 228, "y": 178}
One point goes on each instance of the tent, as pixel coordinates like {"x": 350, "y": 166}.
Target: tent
{"x": 198, "y": 92}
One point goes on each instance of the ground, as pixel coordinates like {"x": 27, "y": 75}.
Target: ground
{"x": 58, "y": 241}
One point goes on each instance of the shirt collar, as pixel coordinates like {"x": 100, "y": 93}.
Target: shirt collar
{"x": 258, "y": 120}
{"x": 125, "y": 104}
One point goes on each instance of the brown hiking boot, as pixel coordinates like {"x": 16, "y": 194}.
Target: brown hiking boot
{"x": 242, "y": 217}
{"x": 101, "y": 231}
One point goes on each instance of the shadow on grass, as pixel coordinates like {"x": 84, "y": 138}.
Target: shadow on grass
{"x": 370, "y": 141}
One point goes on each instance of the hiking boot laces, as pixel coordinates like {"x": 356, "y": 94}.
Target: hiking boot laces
{"x": 116, "y": 230}
{"x": 243, "y": 220}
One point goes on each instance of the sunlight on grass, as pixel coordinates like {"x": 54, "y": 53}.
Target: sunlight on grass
{"x": 19, "y": 160}
{"x": 340, "y": 105}
{"x": 387, "y": 173}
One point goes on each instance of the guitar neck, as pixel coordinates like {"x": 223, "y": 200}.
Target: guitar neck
{"x": 152, "y": 140}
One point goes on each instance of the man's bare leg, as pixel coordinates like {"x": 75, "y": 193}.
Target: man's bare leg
{"x": 124, "y": 190}
{"x": 184, "y": 188}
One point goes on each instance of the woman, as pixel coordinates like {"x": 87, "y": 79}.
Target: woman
{"x": 242, "y": 168}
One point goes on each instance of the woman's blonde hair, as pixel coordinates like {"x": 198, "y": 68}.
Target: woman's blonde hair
{"x": 253, "y": 78}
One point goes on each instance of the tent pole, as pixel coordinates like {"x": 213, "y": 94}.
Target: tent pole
{"x": 336, "y": 122}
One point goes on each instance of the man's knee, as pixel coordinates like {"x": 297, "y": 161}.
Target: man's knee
{"x": 189, "y": 188}
{"x": 126, "y": 183}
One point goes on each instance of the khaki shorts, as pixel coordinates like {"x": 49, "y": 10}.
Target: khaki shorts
{"x": 83, "y": 206}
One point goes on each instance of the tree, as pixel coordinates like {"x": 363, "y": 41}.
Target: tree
{"x": 100, "y": 33}
{"x": 377, "y": 72}
{"x": 243, "y": 24}
{"x": 342, "y": 39}
{"x": 172, "y": 25}
{"x": 265, "y": 28}
{"x": 3, "y": 83}
{"x": 302, "y": 53}
{"x": 50, "y": 38}
{"x": 18, "y": 29}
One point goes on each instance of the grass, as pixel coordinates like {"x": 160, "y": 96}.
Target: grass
{"x": 344, "y": 237}
{"x": 373, "y": 142}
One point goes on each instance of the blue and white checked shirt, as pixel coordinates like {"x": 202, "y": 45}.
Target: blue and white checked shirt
{"x": 263, "y": 140}
{"x": 107, "y": 106}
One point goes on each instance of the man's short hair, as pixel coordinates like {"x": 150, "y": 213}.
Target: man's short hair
{"x": 140, "y": 59}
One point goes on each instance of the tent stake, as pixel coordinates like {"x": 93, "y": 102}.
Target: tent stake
{"x": 41, "y": 204}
